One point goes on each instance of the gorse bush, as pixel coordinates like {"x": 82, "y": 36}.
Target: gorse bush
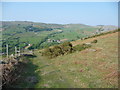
{"x": 66, "y": 47}
{"x": 94, "y": 41}
{"x": 63, "y": 49}
{"x": 58, "y": 50}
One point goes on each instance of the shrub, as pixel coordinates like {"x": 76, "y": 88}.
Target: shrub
{"x": 66, "y": 47}
{"x": 58, "y": 50}
{"x": 47, "y": 52}
{"x": 66, "y": 44}
{"x": 94, "y": 41}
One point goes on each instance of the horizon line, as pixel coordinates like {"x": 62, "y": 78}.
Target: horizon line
{"x": 54, "y": 23}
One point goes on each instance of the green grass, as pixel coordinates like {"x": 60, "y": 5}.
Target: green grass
{"x": 85, "y": 69}
{"x": 73, "y": 33}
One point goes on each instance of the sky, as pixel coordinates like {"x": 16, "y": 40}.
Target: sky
{"x": 89, "y": 13}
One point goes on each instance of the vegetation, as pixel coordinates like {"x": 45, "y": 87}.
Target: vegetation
{"x": 36, "y": 29}
{"x": 58, "y": 50}
{"x": 95, "y": 67}
{"x": 23, "y": 33}
{"x": 94, "y": 41}
{"x": 63, "y": 49}
{"x": 65, "y": 64}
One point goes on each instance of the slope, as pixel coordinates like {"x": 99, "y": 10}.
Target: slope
{"x": 95, "y": 67}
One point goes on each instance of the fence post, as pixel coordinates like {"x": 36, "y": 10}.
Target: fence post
{"x": 7, "y": 50}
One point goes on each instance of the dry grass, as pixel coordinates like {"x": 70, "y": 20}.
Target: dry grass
{"x": 91, "y": 39}
{"x": 95, "y": 67}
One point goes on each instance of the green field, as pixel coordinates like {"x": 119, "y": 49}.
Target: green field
{"x": 22, "y": 33}
{"x": 95, "y": 67}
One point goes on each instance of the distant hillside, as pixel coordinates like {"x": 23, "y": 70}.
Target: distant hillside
{"x": 27, "y": 23}
{"x": 76, "y": 26}
{"x": 41, "y": 35}
{"x": 104, "y": 28}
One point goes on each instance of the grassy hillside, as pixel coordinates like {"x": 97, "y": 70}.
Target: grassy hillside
{"x": 22, "y": 33}
{"x": 95, "y": 67}
{"x": 41, "y": 35}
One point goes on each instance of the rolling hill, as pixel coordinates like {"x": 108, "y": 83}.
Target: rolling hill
{"x": 41, "y": 35}
{"x": 93, "y": 67}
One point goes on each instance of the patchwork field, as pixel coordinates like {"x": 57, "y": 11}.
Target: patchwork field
{"x": 95, "y": 67}
{"x": 42, "y": 35}
{"x": 23, "y": 33}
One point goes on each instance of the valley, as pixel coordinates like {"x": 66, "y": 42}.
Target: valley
{"x": 41, "y": 35}
{"x": 73, "y": 66}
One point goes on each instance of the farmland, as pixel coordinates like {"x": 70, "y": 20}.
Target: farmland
{"x": 23, "y": 33}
